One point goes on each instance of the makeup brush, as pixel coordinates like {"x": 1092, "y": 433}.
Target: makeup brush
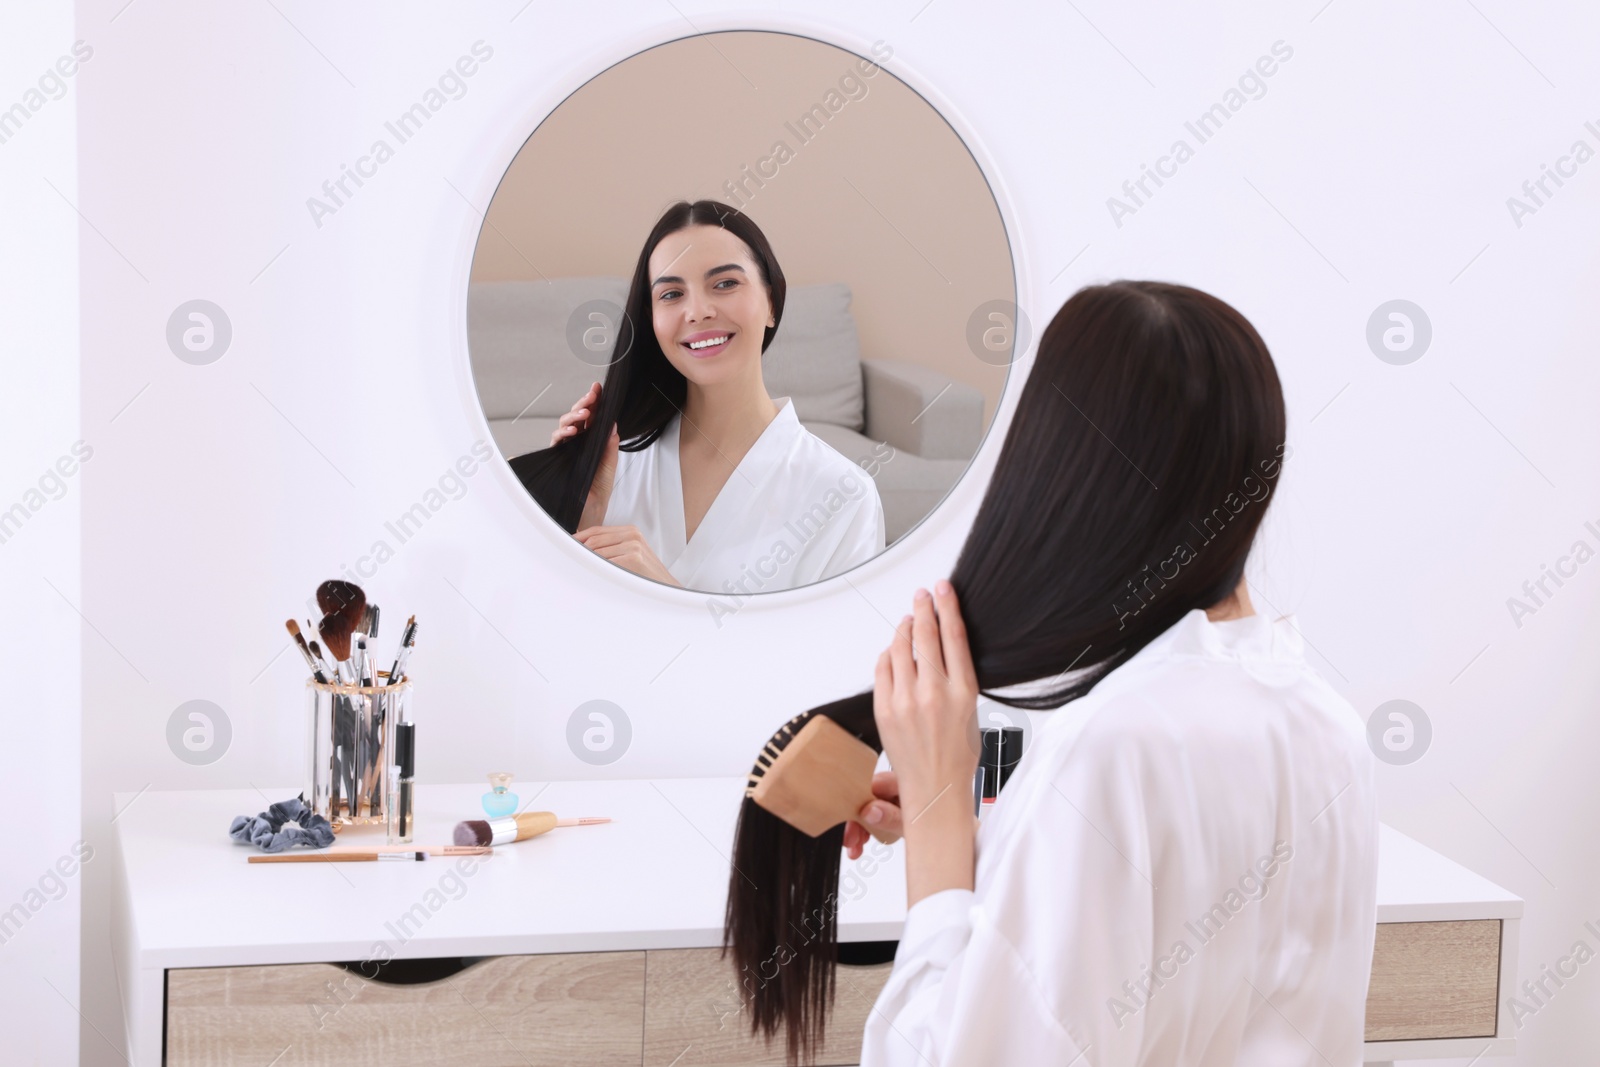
{"x": 408, "y": 856}
{"x": 407, "y": 639}
{"x": 520, "y": 827}
{"x": 364, "y": 707}
{"x": 813, "y": 776}
{"x": 338, "y": 712}
{"x": 305, "y": 650}
{"x": 344, "y": 605}
{"x": 321, "y": 671}
{"x": 432, "y": 850}
{"x": 330, "y": 666}
{"x": 370, "y": 716}
{"x": 335, "y": 594}
{"x": 369, "y": 621}
{"x": 363, "y": 659}
{"x": 336, "y": 628}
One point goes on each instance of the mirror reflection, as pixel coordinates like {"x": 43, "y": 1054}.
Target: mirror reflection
{"x": 741, "y": 311}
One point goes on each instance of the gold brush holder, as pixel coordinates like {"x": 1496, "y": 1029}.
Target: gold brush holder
{"x": 352, "y": 747}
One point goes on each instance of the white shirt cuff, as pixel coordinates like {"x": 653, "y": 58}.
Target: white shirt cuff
{"x": 938, "y": 925}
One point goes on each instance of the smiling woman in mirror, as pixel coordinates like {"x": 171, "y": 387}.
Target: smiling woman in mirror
{"x": 681, "y": 467}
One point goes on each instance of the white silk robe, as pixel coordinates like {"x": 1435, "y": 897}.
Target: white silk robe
{"x": 1181, "y": 872}
{"x": 794, "y": 511}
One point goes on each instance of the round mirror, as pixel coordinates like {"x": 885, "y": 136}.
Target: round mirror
{"x": 792, "y": 285}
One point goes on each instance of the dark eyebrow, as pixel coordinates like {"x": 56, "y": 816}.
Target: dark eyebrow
{"x": 714, "y": 270}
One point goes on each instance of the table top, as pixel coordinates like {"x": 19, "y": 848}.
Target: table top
{"x": 1416, "y": 884}
{"x": 654, "y": 878}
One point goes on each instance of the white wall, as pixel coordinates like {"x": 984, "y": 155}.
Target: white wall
{"x": 1376, "y": 166}
{"x": 40, "y": 586}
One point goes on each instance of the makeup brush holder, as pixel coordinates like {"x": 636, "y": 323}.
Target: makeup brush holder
{"x": 352, "y": 747}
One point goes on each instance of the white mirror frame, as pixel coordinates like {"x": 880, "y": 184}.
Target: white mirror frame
{"x": 482, "y": 176}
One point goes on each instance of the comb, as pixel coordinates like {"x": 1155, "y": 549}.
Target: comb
{"x": 813, "y": 774}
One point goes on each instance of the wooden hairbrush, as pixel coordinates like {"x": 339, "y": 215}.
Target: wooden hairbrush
{"x": 813, "y": 776}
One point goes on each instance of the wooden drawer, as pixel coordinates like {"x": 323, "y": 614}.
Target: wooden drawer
{"x": 693, "y": 1013}
{"x": 677, "y": 1007}
{"x": 681, "y": 1007}
{"x": 521, "y": 1011}
{"x": 1434, "y": 980}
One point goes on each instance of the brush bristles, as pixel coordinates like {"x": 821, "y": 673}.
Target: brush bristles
{"x": 344, "y": 608}
{"x": 774, "y": 748}
{"x": 473, "y": 832}
{"x": 335, "y": 633}
{"x": 336, "y": 594}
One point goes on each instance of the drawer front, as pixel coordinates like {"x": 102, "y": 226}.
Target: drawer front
{"x": 1434, "y": 980}
{"x": 521, "y": 1011}
{"x": 694, "y": 1017}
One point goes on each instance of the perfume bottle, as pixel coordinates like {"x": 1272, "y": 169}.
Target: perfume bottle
{"x": 499, "y": 802}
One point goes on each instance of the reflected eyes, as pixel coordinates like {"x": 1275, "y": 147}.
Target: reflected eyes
{"x": 731, "y": 283}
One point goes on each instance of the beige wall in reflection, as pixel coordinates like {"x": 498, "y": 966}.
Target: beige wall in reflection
{"x": 884, "y": 197}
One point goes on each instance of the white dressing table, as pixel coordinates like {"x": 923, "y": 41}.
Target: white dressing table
{"x": 604, "y": 939}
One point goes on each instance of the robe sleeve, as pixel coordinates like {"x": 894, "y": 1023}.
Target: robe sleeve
{"x": 1031, "y": 969}
{"x": 959, "y": 994}
{"x": 862, "y": 537}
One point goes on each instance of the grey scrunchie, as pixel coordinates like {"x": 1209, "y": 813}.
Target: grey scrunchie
{"x": 269, "y": 833}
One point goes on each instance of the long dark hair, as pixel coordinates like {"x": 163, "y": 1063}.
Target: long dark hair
{"x": 1145, "y": 446}
{"x": 642, "y": 389}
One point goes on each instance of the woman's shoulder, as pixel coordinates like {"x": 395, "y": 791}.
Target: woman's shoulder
{"x": 1152, "y": 718}
{"x": 827, "y": 467}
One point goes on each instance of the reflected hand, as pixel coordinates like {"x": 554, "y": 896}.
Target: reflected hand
{"x": 576, "y": 420}
{"x": 880, "y": 818}
{"x": 599, "y": 498}
{"x": 626, "y": 547}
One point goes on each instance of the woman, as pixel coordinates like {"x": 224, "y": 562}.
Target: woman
{"x": 717, "y": 485}
{"x": 1182, "y": 869}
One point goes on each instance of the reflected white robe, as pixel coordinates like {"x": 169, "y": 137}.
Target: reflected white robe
{"x": 1181, "y": 872}
{"x": 794, "y": 511}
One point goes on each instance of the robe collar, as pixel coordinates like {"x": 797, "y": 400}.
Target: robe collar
{"x": 738, "y": 493}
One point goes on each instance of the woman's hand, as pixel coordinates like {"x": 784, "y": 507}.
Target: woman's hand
{"x": 576, "y": 420}
{"x": 925, "y": 701}
{"x": 605, "y": 476}
{"x": 880, "y": 818}
{"x": 626, "y": 547}
{"x": 570, "y": 425}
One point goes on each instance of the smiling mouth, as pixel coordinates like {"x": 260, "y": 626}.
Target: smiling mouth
{"x": 708, "y": 345}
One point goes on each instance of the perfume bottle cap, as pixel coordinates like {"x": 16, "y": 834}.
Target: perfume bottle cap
{"x": 405, "y": 748}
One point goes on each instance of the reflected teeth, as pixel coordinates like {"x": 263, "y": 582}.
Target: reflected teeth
{"x": 708, "y": 342}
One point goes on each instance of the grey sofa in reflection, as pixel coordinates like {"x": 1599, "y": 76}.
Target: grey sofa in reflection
{"x": 527, "y": 374}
